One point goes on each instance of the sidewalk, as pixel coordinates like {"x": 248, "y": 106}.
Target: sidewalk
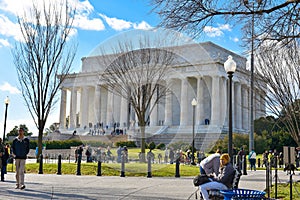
{"x": 42, "y": 186}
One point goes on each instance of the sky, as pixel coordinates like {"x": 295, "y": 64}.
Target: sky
{"x": 95, "y": 22}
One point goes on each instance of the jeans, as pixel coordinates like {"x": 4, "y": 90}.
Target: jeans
{"x": 211, "y": 185}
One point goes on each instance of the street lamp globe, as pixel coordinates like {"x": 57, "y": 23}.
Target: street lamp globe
{"x": 6, "y": 101}
{"x": 230, "y": 65}
{"x": 194, "y": 102}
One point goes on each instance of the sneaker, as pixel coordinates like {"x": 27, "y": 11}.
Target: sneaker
{"x": 22, "y": 187}
{"x": 17, "y": 187}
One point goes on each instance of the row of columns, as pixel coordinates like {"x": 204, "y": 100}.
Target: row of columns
{"x": 99, "y": 105}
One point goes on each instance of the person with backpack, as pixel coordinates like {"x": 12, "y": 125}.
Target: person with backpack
{"x": 252, "y": 160}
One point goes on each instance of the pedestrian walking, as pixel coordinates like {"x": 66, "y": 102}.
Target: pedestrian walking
{"x": 252, "y": 159}
{"x": 20, "y": 147}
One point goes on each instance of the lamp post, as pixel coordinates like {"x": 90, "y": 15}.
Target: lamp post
{"x": 252, "y": 6}
{"x": 6, "y": 102}
{"x": 230, "y": 67}
{"x": 194, "y": 104}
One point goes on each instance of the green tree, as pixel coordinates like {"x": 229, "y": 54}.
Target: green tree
{"x": 15, "y": 131}
{"x": 268, "y": 124}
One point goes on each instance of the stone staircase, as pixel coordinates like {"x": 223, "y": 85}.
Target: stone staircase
{"x": 205, "y": 136}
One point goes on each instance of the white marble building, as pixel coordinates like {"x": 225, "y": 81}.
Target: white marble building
{"x": 198, "y": 73}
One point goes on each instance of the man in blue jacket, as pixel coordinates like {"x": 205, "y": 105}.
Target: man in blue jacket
{"x": 20, "y": 148}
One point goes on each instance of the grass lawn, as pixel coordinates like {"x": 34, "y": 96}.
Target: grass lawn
{"x": 114, "y": 169}
{"x": 283, "y": 191}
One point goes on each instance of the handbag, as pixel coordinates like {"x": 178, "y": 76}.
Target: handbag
{"x": 200, "y": 179}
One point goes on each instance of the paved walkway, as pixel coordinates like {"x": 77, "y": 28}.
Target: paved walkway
{"x": 42, "y": 186}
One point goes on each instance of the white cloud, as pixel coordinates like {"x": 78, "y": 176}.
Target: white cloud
{"x": 143, "y": 26}
{"x": 235, "y": 39}
{"x": 116, "y": 24}
{"x": 216, "y": 31}
{"x": 11, "y": 89}
{"x": 120, "y": 24}
{"x": 9, "y": 28}
{"x": 84, "y": 23}
{"x": 212, "y": 31}
{"x": 4, "y": 43}
{"x": 225, "y": 27}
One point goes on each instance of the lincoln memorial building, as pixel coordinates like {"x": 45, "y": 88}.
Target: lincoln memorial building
{"x": 197, "y": 72}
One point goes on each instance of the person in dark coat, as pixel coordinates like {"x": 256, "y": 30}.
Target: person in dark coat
{"x": 20, "y": 148}
{"x": 2, "y": 155}
{"x": 5, "y": 157}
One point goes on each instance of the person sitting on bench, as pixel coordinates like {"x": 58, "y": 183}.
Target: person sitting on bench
{"x": 221, "y": 182}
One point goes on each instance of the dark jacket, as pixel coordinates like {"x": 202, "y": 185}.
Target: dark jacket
{"x": 2, "y": 150}
{"x": 5, "y": 156}
{"x": 226, "y": 175}
{"x": 20, "y": 148}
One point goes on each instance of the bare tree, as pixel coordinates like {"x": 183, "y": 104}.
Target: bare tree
{"x": 41, "y": 56}
{"x": 138, "y": 74}
{"x": 279, "y": 68}
{"x": 276, "y": 20}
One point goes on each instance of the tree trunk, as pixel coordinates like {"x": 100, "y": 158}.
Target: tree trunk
{"x": 143, "y": 145}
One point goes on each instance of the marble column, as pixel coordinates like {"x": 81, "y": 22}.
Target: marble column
{"x": 109, "y": 116}
{"x": 63, "y": 108}
{"x": 168, "y": 109}
{"x": 215, "y": 100}
{"x": 245, "y": 105}
{"x": 224, "y": 102}
{"x": 184, "y": 103}
{"x": 84, "y": 108}
{"x": 73, "y": 108}
{"x": 103, "y": 105}
{"x": 97, "y": 103}
{"x": 124, "y": 113}
{"x": 154, "y": 113}
{"x": 233, "y": 106}
{"x": 238, "y": 105}
{"x": 200, "y": 116}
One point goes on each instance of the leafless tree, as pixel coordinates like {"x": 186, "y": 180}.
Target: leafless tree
{"x": 41, "y": 56}
{"x": 274, "y": 20}
{"x": 279, "y": 68}
{"x": 137, "y": 72}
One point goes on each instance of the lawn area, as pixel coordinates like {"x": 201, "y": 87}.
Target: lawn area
{"x": 283, "y": 191}
{"x": 113, "y": 169}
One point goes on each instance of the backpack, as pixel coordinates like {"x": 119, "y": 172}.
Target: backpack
{"x": 200, "y": 179}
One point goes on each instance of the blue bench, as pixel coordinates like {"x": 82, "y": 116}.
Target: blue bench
{"x": 244, "y": 194}
{"x": 216, "y": 194}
